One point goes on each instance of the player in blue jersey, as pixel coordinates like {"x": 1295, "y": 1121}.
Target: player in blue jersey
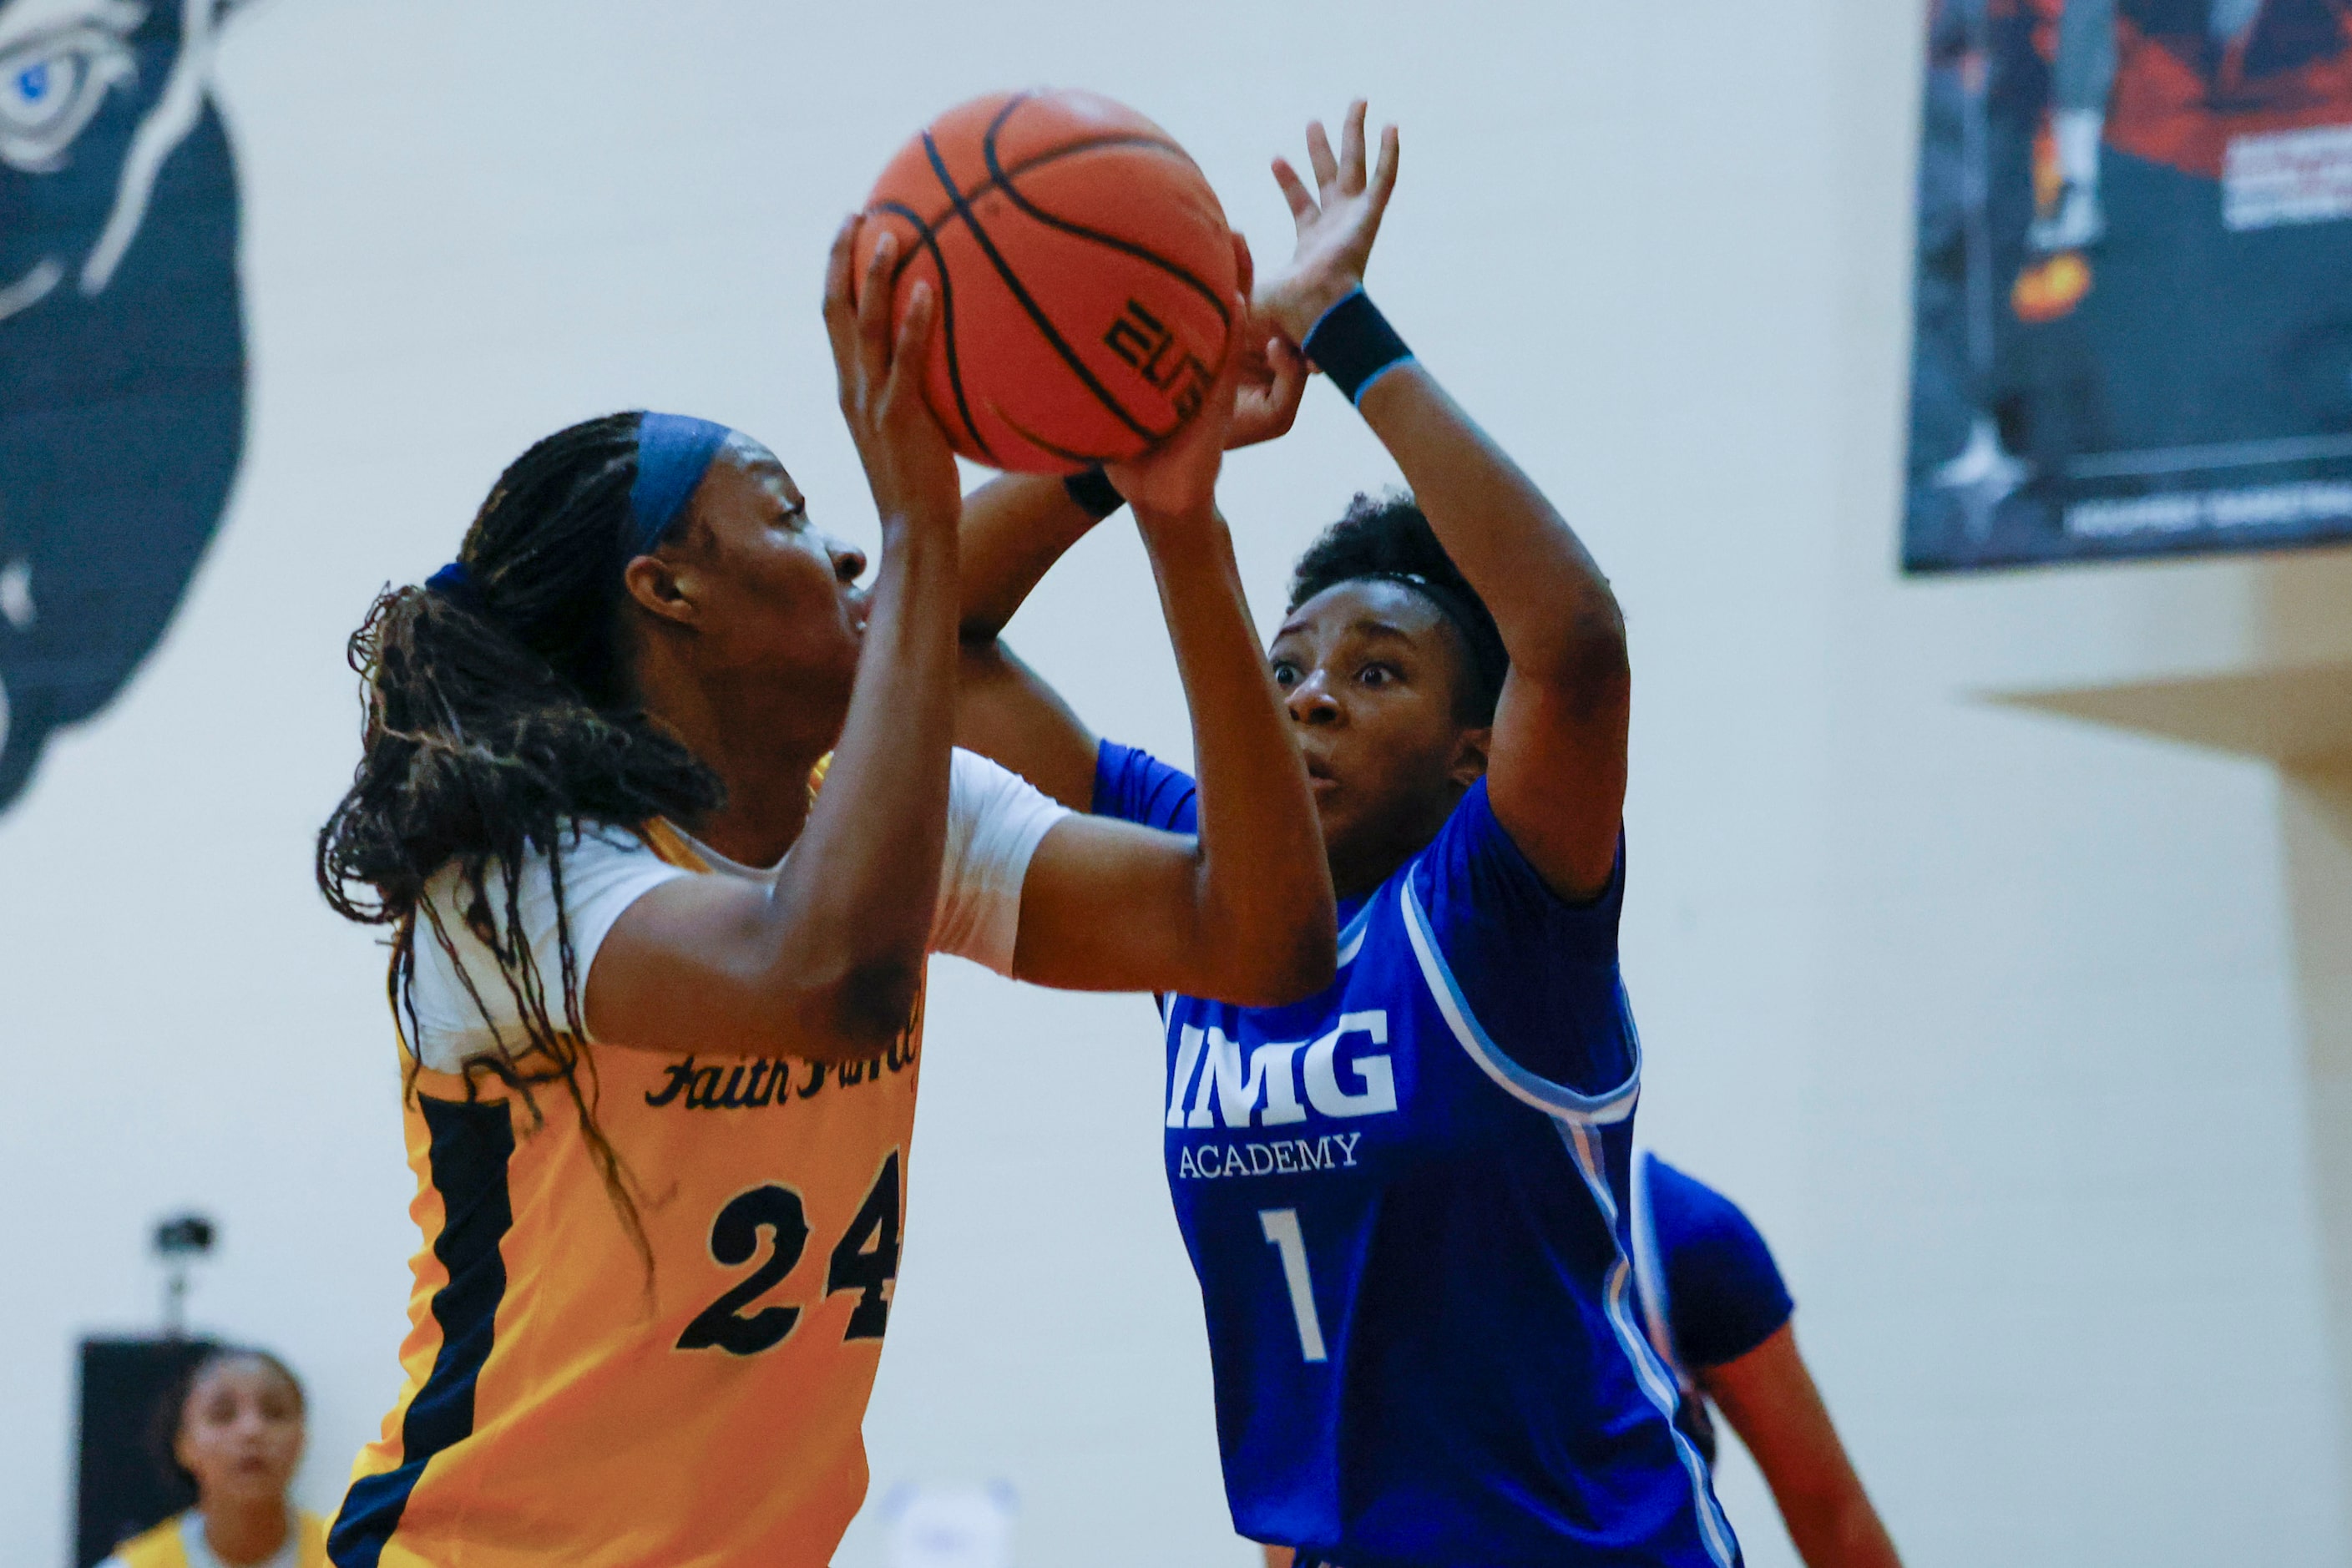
{"x": 1405, "y": 1197}
{"x": 1717, "y": 1313}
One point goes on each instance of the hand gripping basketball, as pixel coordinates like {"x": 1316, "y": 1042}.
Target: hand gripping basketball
{"x": 908, "y": 464}
{"x": 1179, "y": 477}
{"x": 1084, "y": 272}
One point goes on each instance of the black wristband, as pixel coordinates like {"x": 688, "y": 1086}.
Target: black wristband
{"x": 1094, "y": 493}
{"x": 1354, "y": 345}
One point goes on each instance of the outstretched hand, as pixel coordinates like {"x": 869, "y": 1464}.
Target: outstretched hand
{"x": 908, "y": 464}
{"x": 1337, "y": 223}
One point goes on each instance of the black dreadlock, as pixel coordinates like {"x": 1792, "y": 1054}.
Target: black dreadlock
{"x": 497, "y": 721}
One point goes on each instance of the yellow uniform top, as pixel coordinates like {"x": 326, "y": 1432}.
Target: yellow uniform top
{"x": 560, "y": 1405}
{"x": 167, "y": 1545}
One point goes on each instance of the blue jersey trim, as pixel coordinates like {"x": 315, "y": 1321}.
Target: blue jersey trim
{"x": 1551, "y": 1099}
{"x": 1649, "y": 1271}
{"x": 1351, "y": 938}
{"x": 470, "y": 1147}
{"x": 1577, "y": 1116}
{"x": 1649, "y": 1371}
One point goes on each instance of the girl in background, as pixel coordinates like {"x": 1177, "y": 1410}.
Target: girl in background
{"x": 237, "y": 1429}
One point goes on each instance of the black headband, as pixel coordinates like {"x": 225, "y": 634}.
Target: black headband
{"x": 1490, "y": 661}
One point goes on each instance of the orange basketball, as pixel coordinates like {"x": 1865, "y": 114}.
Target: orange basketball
{"x": 1083, "y": 270}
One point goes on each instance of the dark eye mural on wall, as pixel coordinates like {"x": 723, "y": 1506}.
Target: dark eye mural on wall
{"x": 121, "y": 346}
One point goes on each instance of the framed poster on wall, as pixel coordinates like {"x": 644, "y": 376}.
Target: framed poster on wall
{"x": 2132, "y": 297}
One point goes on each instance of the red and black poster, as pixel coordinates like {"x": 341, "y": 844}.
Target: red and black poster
{"x": 2133, "y": 329}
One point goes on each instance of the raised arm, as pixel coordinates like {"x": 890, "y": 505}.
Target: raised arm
{"x": 828, "y": 967}
{"x": 1557, "y": 764}
{"x": 1015, "y": 528}
{"x": 1243, "y": 911}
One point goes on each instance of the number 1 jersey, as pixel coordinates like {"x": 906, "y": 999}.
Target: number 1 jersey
{"x": 1405, "y": 1200}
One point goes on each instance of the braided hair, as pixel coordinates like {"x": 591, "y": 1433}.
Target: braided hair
{"x": 500, "y": 715}
{"x": 1387, "y": 539}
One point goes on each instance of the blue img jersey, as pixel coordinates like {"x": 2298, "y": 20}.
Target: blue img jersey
{"x": 1405, "y": 1200}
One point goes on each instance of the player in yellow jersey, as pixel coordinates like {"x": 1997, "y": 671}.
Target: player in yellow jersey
{"x": 661, "y": 989}
{"x": 235, "y": 1425}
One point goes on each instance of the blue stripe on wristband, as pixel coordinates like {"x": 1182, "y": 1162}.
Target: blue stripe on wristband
{"x": 1353, "y": 344}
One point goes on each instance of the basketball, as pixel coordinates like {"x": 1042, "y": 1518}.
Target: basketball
{"x": 1083, "y": 269}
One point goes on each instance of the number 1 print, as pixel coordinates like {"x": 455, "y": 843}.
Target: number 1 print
{"x": 1281, "y": 1233}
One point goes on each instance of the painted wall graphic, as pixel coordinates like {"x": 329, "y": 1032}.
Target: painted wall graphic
{"x": 121, "y": 346}
{"x": 2133, "y": 295}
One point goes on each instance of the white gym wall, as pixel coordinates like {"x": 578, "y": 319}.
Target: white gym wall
{"x": 1990, "y": 1018}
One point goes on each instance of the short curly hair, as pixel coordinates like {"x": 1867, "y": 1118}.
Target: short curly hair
{"x": 1386, "y": 538}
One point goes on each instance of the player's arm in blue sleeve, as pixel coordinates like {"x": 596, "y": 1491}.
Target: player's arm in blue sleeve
{"x": 1556, "y": 763}
{"x": 1729, "y": 1313}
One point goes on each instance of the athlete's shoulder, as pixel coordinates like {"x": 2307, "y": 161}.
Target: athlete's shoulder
{"x": 579, "y": 888}
{"x": 1724, "y": 1289}
{"x": 1475, "y": 854}
{"x": 1475, "y": 892}
{"x": 157, "y": 1548}
{"x": 1690, "y": 1214}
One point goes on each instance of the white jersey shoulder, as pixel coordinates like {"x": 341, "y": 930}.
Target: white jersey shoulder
{"x": 465, "y": 1001}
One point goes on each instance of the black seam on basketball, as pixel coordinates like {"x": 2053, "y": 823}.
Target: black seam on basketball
{"x": 1080, "y": 459}
{"x": 1003, "y": 180}
{"x": 951, "y": 217}
{"x": 1036, "y": 315}
{"x": 946, "y": 326}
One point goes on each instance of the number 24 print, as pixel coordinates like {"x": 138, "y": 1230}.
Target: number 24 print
{"x": 865, "y": 1260}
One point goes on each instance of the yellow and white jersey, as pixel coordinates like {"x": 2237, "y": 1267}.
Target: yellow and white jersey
{"x": 562, "y": 1403}
{"x": 179, "y": 1543}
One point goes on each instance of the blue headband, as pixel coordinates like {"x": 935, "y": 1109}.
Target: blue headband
{"x": 673, "y": 451}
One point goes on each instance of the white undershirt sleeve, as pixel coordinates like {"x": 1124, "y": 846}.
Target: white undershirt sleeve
{"x": 605, "y": 869}
{"x": 995, "y": 821}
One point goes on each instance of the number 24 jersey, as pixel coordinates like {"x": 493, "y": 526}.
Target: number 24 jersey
{"x": 1405, "y": 1200}
{"x": 571, "y": 1399}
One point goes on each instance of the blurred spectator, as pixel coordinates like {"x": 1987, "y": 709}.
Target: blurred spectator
{"x": 235, "y": 1427}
